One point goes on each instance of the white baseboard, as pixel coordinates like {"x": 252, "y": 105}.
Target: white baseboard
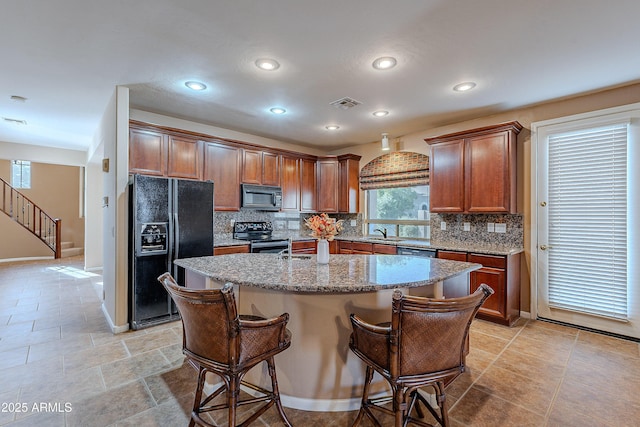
{"x": 36, "y": 258}
{"x": 525, "y": 315}
{"x": 115, "y": 329}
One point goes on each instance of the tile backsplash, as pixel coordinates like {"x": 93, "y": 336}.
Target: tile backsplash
{"x": 282, "y": 221}
{"x": 466, "y": 228}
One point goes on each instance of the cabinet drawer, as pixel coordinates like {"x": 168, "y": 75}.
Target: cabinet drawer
{"x": 452, "y": 255}
{"x": 224, "y": 250}
{"x": 384, "y": 249}
{"x": 361, "y": 247}
{"x": 304, "y": 247}
{"x": 495, "y": 261}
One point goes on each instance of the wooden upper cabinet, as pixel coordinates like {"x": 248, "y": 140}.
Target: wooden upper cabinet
{"x": 251, "y": 167}
{"x": 270, "y": 168}
{"x": 147, "y": 152}
{"x": 290, "y": 171}
{"x": 475, "y": 170}
{"x": 446, "y": 177}
{"x": 328, "y": 180}
{"x": 260, "y": 167}
{"x": 349, "y": 194}
{"x": 308, "y": 187}
{"x": 222, "y": 165}
{"x": 184, "y": 158}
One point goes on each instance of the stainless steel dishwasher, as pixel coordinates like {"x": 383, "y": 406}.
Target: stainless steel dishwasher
{"x": 427, "y": 253}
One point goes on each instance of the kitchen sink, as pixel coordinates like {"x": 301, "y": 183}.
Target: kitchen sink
{"x": 385, "y": 239}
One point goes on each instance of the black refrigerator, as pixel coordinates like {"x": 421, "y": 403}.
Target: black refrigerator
{"x": 168, "y": 219}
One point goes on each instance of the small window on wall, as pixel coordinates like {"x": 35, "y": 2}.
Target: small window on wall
{"x": 403, "y": 212}
{"x": 21, "y": 173}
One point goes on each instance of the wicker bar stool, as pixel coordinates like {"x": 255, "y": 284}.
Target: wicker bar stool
{"x": 423, "y": 346}
{"x": 216, "y": 339}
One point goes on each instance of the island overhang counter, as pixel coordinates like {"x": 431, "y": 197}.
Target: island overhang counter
{"x": 318, "y": 372}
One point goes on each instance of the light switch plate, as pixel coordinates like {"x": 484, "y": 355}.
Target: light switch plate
{"x": 466, "y": 226}
{"x": 443, "y": 225}
{"x": 491, "y": 227}
{"x": 354, "y": 222}
{"x": 501, "y": 228}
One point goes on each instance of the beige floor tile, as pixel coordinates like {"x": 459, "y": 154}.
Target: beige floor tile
{"x": 152, "y": 340}
{"x": 70, "y": 387}
{"x": 14, "y": 357}
{"x": 609, "y": 344}
{"x": 133, "y": 368}
{"x": 173, "y": 383}
{"x": 111, "y": 406}
{"x": 59, "y": 347}
{"x": 95, "y": 356}
{"x": 481, "y": 409}
{"x": 168, "y": 414}
{"x": 530, "y": 366}
{"x": 29, "y": 338}
{"x": 487, "y": 343}
{"x": 557, "y": 352}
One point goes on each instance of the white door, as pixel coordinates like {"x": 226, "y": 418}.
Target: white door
{"x": 586, "y": 242}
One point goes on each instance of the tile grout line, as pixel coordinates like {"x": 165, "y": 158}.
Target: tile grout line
{"x": 561, "y": 382}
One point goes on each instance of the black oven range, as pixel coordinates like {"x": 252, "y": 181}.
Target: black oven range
{"x": 259, "y": 233}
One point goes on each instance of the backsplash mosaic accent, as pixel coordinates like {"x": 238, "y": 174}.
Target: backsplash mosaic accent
{"x": 478, "y": 229}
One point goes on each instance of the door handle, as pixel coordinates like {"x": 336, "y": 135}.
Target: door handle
{"x": 545, "y": 247}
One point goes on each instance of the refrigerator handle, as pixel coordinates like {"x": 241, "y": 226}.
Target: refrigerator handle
{"x": 176, "y": 244}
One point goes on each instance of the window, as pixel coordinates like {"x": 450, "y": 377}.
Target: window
{"x": 21, "y": 173}
{"x": 403, "y": 211}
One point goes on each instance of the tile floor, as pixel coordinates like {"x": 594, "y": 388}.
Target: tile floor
{"x": 61, "y": 366}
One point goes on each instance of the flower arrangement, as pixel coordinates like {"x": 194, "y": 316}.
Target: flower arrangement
{"x": 323, "y": 227}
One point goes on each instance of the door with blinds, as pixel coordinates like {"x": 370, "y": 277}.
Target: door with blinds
{"x": 586, "y": 228}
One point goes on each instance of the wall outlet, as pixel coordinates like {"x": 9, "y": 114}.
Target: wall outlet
{"x": 233, "y": 222}
{"x": 491, "y": 227}
{"x": 501, "y": 228}
{"x": 443, "y": 226}
{"x": 354, "y": 222}
{"x": 280, "y": 225}
{"x": 466, "y": 226}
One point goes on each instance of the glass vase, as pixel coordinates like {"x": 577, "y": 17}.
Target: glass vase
{"x": 323, "y": 251}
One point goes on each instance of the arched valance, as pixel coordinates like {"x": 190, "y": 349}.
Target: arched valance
{"x": 398, "y": 169}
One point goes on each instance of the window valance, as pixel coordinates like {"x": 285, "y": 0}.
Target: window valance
{"x": 398, "y": 169}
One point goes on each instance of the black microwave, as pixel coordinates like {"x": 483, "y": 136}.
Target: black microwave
{"x": 261, "y": 197}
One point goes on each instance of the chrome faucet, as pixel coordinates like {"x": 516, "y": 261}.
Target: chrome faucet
{"x": 383, "y": 232}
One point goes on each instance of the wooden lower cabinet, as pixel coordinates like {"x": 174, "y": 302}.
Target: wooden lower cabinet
{"x": 236, "y": 249}
{"x": 364, "y": 248}
{"x": 502, "y": 274}
{"x": 378, "y": 248}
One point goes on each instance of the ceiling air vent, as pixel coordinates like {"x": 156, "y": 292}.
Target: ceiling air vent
{"x": 15, "y": 121}
{"x": 345, "y": 103}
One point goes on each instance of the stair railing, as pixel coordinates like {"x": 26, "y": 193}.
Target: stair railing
{"x": 30, "y": 216}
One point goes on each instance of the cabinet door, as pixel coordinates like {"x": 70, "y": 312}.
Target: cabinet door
{"x": 184, "y": 158}
{"x": 328, "y": 185}
{"x": 222, "y": 166}
{"x": 270, "y": 169}
{"x": 348, "y": 201}
{"x": 147, "y": 152}
{"x": 252, "y": 167}
{"x": 446, "y": 177}
{"x": 494, "y": 308}
{"x": 344, "y": 247}
{"x": 488, "y": 172}
{"x": 308, "y": 190}
{"x": 361, "y": 248}
{"x": 290, "y": 184}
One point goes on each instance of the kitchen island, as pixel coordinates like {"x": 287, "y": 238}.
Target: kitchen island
{"x": 318, "y": 372}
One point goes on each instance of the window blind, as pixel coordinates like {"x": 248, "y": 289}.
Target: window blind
{"x": 587, "y": 192}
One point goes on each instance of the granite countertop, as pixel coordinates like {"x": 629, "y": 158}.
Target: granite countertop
{"x": 343, "y": 274}
{"x": 471, "y": 246}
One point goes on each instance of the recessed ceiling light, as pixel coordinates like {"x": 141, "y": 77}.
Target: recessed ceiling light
{"x": 380, "y": 113}
{"x": 267, "y": 64}
{"x": 193, "y": 85}
{"x": 18, "y": 98}
{"x": 463, "y": 87}
{"x": 332, "y": 127}
{"x": 14, "y": 121}
{"x": 384, "y": 63}
{"x": 278, "y": 110}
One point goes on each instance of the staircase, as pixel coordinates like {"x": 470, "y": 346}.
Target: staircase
{"x": 68, "y": 249}
{"x": 29, "y": 215}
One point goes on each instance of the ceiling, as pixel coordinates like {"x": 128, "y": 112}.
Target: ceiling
{"x": 67, "y": 56}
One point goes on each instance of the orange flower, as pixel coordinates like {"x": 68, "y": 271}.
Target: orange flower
{"x": 323, "y": 227}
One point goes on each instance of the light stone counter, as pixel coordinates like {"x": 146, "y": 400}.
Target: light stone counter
{"x": 319, "y": 372}
{"x": 344, "y": 273}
